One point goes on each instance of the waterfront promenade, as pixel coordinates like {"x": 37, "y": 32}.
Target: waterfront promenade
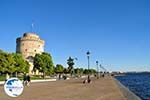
{"x": 73, "y": 89}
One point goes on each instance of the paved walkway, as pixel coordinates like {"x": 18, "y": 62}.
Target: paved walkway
{"x": 99, "y": 89}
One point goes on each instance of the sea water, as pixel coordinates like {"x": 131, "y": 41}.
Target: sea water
{"x": 138, "y": 83}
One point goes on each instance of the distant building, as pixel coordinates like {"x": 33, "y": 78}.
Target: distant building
{"x": 29, "y": 45}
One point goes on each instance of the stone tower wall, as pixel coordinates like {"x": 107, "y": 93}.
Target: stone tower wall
{"x": 29, "y": 45}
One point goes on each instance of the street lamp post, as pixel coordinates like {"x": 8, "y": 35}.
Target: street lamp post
{"x": 88, "y": 57}
{"x": 97, "y": 69}
{"x": 100, "y": 66}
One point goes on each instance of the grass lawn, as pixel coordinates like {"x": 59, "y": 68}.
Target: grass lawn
{"x": 2, "y": 77}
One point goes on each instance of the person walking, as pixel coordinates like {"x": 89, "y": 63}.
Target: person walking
{"x": 28, "y": 80}
{"x": 25, "y": 80}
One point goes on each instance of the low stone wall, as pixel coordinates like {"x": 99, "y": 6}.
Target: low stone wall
{"x": 34, "y": 81}
{"x": 44, "y": 80}
{"x": 129, "y": 95}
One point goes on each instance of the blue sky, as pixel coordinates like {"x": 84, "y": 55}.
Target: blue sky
{"x": 116, "y": 32}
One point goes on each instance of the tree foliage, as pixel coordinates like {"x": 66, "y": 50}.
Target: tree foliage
{"x": 12, "y": 62}
{"x": 89, "y": 71}
{"x": 78, "y": 71}
{"x": 59, "y": 68}
{"x": 3, "y": 62}
{"x": 43, "y": 62}
{"x": 20, "y": 64}
{"x": 70, "y": 63}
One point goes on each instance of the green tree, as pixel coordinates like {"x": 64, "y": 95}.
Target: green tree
{"x": 70, "y": 63}
{"x": 86, "y": 71}
{"x": 21, "y": 66}
{"x": 66, "y": 71}
{"x": 49, "y": 63}
{"x": 2, "y": 61}
{"x": 81, "y": 70}
{"x": 43, "y": 62}
{"x": 89, "y": 71}
{"x": 59, "y": 68}
{"x": 7, "y": 63}
{"x": 77, "y": 71}
{"x": 10, "y": 64}
{"x": 92, "y": 71}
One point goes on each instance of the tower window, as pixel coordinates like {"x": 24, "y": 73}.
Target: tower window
{"x": 34, "y": 50}
{"x": 26, "y": 49}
